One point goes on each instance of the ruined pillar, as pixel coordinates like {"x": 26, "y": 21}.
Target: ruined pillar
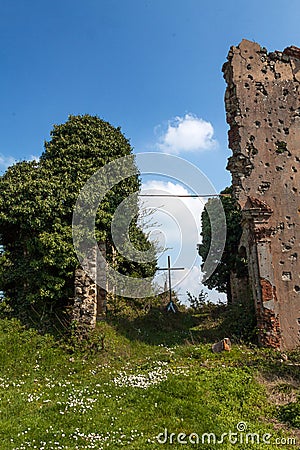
{"x": 90, "y": 298}
{"x": 262, "y": 102}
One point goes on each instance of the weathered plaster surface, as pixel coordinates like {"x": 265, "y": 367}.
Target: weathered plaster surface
{"x": 263, "y": 110}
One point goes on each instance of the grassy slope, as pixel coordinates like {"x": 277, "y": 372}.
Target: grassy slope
{"x": 146, "y": 380}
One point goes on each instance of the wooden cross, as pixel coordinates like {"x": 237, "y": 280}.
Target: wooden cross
{"x": 169, "y": 269}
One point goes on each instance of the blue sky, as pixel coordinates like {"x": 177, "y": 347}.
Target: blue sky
{"x": 149, "y": 66}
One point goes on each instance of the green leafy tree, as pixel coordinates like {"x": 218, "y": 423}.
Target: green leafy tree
{"x": 37, "y": 262}
{"x": 230, "y": 260}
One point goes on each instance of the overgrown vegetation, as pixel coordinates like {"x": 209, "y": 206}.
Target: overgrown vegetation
{"x": 37, "y": 261}
{"x": 234, "y": 320}
{"x": 128, "y": 384}
{"x": 290, "y": 413}
{"x": 145, "y": 372}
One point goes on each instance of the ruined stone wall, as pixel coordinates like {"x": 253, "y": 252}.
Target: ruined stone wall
{"x": 90, "y": 299}
{"x": 263, "y": 110}
{"x": 85, "y": 302}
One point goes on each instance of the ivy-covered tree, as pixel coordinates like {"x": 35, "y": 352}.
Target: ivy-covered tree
{"x": 37, "y": 199}
{"x": 230, "y": 260}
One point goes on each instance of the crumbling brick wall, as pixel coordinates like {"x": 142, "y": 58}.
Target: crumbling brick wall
{"x": 262, "y": 102}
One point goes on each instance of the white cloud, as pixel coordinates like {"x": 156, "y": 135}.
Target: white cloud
{"x": 180, "y": 218}
{"x": 177, "y": 225}
{"x": 34, "y": 158}
{"x": 187, "y": 134}
{"x": 6, "y": 161}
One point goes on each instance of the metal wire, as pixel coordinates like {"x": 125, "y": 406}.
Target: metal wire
{"x": 188, "y": 195}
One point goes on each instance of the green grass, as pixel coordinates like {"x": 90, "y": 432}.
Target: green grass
{"x": 143, "y": 382}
